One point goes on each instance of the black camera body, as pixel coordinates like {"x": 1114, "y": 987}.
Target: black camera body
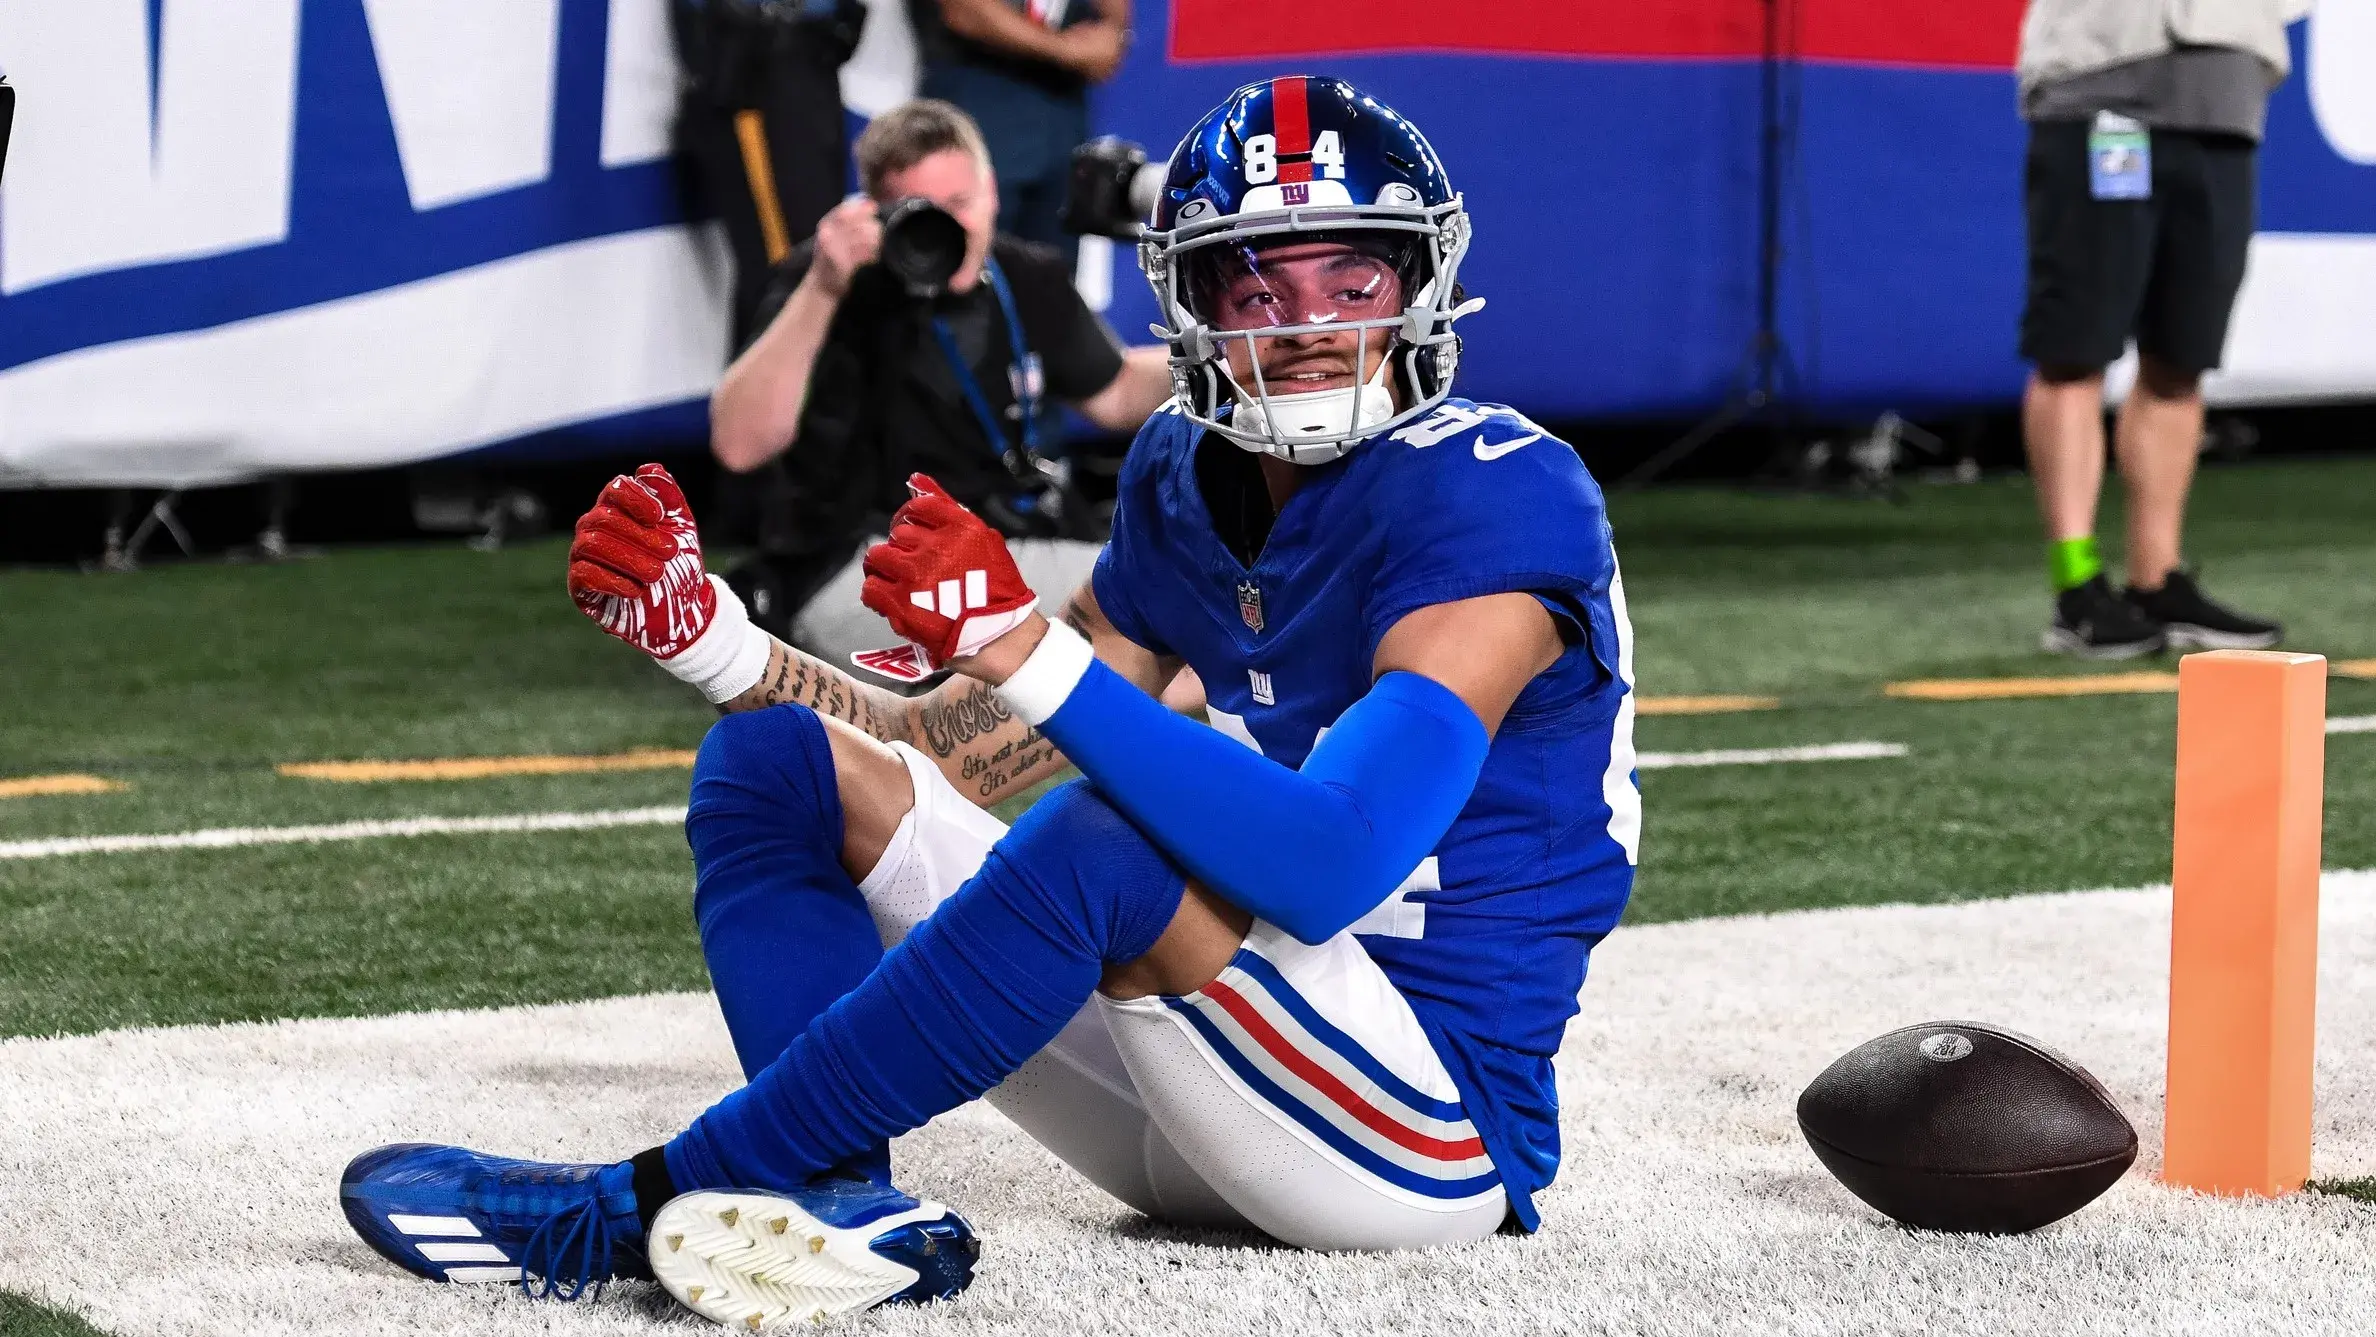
{"x": 923, "y": 246}
{"x": 7, "y": 115}
{"x": 1112, "y": 190}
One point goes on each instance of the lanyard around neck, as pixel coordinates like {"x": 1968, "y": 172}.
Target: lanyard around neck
{"x": 1024, "y": 369}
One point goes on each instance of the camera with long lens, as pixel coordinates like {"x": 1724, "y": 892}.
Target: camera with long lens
{"x": 1112, "y": 190}
{"x": 923, "y": 246}
{"x": 7, "y": 114}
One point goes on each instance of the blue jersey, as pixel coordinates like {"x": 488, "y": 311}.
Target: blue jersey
{"x": 1489, "y": 939}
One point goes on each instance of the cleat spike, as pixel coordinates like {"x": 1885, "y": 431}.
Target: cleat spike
{"x": 816, "y": 1244}
{"x": 780, "y": 1224}
{"x": 693, "y": 1294}
{"x": 753, "y": 1322}
{"x": 675, "y": 1242}
{"x": 730, "y": 1215}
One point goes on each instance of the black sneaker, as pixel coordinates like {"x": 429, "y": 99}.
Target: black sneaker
{"x": 2193, "y": 622}
{"x": 2091, "y": 622}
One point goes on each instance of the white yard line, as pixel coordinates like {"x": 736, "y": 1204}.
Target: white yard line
{"x": 2352, "y": 724}
{"x": 232, "y": 837}
{"x": 1767, "y": 756}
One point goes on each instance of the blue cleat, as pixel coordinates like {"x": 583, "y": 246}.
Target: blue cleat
{"x": 449, "y": 1214}
{"x": 757, "y": 1260}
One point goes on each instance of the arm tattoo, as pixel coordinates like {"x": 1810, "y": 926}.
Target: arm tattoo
{"x": 1077, "y": 616}
{"x": 948, "y": 724}
{"x": 801, "y": 680}
{"x": 1015, "y": 762}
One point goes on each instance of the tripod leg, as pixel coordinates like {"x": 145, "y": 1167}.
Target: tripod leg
{"x": 751, "y": 131}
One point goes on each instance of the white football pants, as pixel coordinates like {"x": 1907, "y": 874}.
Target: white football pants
{"x": 1295, "y": 1094}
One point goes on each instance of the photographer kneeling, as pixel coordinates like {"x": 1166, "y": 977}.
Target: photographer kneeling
{"x": 916, "y": 339}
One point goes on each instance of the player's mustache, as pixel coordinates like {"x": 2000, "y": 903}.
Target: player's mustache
{"x": 1306, "y": 362}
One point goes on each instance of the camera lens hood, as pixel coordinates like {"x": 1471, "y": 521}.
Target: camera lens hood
{"x": 923, "y": 245}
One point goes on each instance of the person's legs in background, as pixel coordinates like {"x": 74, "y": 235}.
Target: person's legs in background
{"x": 2089, "y": 261}
{"x": 2062, "y": 428}
{"x": 2157, "y": 438}
{"x": 2204, "y": 185}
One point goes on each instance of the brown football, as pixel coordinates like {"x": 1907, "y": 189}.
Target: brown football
{"x": 1955, "y": 1125}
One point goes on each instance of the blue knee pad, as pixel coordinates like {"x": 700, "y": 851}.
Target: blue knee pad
{"x": 784, "y": 929}
{"x": 1094, "y": 872}
{"x": 956, "y": 1007}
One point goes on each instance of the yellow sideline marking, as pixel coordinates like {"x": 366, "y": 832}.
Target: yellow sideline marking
{"x": 480, "y": 768}
{"x": 2001, "y": 689}
{"x": 2354, "y": 668}
{"x": 30, "y": 786}
{"x": 1703, "y": 705}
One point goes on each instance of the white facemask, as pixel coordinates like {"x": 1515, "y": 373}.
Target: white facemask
{"x": 1344, "y": 416}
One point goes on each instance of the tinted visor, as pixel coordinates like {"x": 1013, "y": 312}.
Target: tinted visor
{"x": 1307, "y": 279}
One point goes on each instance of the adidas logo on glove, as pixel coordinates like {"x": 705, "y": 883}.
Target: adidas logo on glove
{"x": 944, "y": 581}
{"x": 948, "y": 602}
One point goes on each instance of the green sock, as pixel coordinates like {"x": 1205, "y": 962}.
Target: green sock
{"x": 2071, "y": 563}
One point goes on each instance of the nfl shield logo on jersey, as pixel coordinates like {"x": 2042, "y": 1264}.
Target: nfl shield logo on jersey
{"x": 1250, "y": 604}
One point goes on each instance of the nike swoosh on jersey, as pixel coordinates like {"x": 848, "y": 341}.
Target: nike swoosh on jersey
{"x": 1486, "y": 452}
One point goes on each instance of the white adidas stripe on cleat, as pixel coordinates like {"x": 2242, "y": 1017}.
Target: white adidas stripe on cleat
{"x": 758, "y": 1262}
{"x": 462, "y": 1276}
{"x": 434, "y": 1225}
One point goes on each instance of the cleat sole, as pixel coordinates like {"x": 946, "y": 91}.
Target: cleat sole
{"x": 759, "y": 1262}
{"x": 2188, "y": 636}
{"x": 2063, "y": 641}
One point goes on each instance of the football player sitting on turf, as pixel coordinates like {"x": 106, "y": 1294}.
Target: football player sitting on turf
{"x": 1304, "y": 970}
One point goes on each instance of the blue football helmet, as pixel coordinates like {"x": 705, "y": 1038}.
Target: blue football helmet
{"x": 1312, "y": 171}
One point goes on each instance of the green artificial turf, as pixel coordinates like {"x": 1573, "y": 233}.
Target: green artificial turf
{"x": 1737, "y": 592}
{"x": 20, "y": 1317}
{"x": 188, "y": 683}
{"x": 2364, "y": 1190}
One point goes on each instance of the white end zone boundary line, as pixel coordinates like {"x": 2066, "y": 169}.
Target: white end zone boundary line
{"x": 1768, "y": 756}
{"x": 237, "y": 836}
{"x": 230, "y": 837}
{"x": 233, "y": 837}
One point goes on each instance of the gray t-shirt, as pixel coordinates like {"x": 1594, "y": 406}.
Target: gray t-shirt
{"x": 2219, "y": 89}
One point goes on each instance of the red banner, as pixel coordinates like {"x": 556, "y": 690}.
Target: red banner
{"x": 1952, "y": 34}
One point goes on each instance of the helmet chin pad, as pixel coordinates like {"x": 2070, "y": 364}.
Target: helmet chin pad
{"x": 1335, "y": 419}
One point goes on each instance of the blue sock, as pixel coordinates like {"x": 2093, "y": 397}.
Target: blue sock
{"x": 967, "y": 998}
{"x": 783, "y": 927}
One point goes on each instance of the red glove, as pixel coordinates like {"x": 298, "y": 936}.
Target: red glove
{"x": 636, "y": 565}
{"x": 944, "y": 579}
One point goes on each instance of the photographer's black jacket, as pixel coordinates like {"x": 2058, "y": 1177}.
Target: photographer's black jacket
{"x": 883, "y": 402}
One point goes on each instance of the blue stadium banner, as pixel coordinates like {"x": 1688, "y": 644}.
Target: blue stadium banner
{"x": 240, "y": 237}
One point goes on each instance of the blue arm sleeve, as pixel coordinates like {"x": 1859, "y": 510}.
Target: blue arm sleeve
{"x": 1311, "y": 850}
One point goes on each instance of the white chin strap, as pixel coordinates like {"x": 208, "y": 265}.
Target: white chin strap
{"x": 1318, "y": 425}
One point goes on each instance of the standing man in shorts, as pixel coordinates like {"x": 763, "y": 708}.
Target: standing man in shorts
{"x": 2145, "y": 122}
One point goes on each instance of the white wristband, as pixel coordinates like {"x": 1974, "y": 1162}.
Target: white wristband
{"x": 1048, "y": 676}
{"x": 728, "y": 656}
